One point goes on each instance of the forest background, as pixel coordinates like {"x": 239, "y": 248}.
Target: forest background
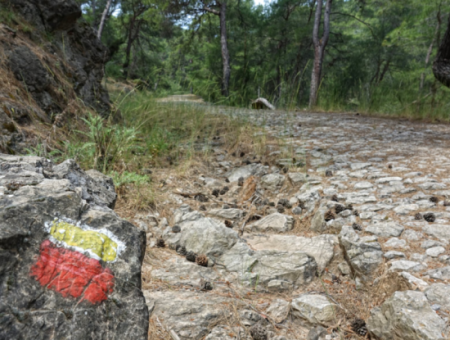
{"x": 375, "y": 56}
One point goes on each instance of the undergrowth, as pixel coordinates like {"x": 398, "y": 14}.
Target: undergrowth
{"x": 150, "y": 134}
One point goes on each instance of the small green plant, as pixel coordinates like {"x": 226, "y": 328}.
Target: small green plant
{"x": 128, "y": 178}
{"x": 107, "y": 142}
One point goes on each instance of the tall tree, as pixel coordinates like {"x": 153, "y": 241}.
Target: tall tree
{"x": 103, "y": 19}
{"x": 441, "y": 66}
{"x": 319, "y": 48}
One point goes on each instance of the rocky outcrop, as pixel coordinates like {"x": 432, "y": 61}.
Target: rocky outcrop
{"x": 69, "y": 266}
{"x": 52, "y": 58}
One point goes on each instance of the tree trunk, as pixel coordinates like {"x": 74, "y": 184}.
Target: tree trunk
{"x": 224, "y": 47}
{"x": 102, "y": 21}
{"x": 441, "y": 66}
{"x": 126, "y": 64}
{"x": 319, "y": 48}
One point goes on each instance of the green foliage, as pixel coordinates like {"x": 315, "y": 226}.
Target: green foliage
{"x": 126, "y": 177}
{"x": 106, "y": 143}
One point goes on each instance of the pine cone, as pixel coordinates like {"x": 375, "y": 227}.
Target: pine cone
{"x": 201, "y": 198}
{"x": 329, "y": 216}
{"x": 430, "y": 217}
{"x": 339, "y": 208}
{"x": 335, "y": 198}
{"x": 329, "y": 173}
{"x": 434, "y": 199}
{"x": 418, "y": 216}
{"x": 160, "y": 243}
{"x": 176, "y": 229}
{"x": 356, "y": 226}
{"x": 205, "y": 285}
{"x": 191, "y": 256}
{"x": 228, "y": 224}
{"x": 335, "y": 279}
{"x": 283, "y": 201}
{"x": 258, "y": 332}
{"x": 359, "y": 327}
{"x": 202, "y": 260}
{"x": 181, "y": 250}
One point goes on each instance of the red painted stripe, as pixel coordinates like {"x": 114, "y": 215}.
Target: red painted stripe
{"x": 72, "y": 274}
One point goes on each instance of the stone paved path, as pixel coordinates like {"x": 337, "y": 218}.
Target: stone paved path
{"x": 367, "y": 214}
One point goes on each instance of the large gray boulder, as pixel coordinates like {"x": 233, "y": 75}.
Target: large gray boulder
{"x": 68, "y": 268}
{"x": 406, "y": 315}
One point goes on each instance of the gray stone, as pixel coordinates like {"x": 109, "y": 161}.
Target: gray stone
{"x": 364, "y": 254}
{"x": 227, "y": 333}
{"x": 393, "y": 254}
{"x": 247, "y": 171}
{"x": 394, "y": 242}
{"x": 259, "y": 268}
{"x": 405, "y": 265}
{"x": 298, "y": 177}
{"x": 272, "y": 182}
{"x": 440, "y": 231}
{"x": 406, "y": 209}
{"x": 344, "y": 268}
{"x": 414, "y": 281}
{"x": 205, "y": 236}
{"x": 229, "y": 214}
{"x": 278, "y": 310}
{"x": 406, "y": 315}
{"x": 363, "y": 185}
{"x": 440, "y": 273}
{"x": 188, "y": 314}
{"x": 412, "y": 235}
{"x": 275, "y": 222}
{"x": 317, "y": 333}
{"x": 435, "y": 251}
{"x": 386, "y": 229}
{"x": 297, "y": 211}
{"x": 321, "y": 248}
{"x": 439, "y": 293}
{"x": 314, "y": 308}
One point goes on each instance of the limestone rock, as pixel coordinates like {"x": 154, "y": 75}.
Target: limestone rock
{"x": 274, "y": 222}
{"x": 247, "y": 171}
{"x": 278, "y": 310}
{"x": 406, "y": 315}
{"x": 229, "y": 214}
{"x": 439, "y": 293}
{"x": 188, "y": 314}
{"x": 385, "y": 229}
{"x": 321, "y": 247}
{"x": 272, "y": 182}
{"x": 364, "y": 254}
{"x": 314, "y": 308}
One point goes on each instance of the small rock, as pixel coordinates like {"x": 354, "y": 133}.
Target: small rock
{"x": 435, "y": 251}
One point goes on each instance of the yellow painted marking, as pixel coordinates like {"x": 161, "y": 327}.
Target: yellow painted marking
{"x": 96, "y": 242}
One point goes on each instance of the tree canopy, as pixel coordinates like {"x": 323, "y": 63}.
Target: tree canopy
{"x": 379, "y": 53}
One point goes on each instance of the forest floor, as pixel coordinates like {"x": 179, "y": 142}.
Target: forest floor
{"x": 269, "y": 194}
